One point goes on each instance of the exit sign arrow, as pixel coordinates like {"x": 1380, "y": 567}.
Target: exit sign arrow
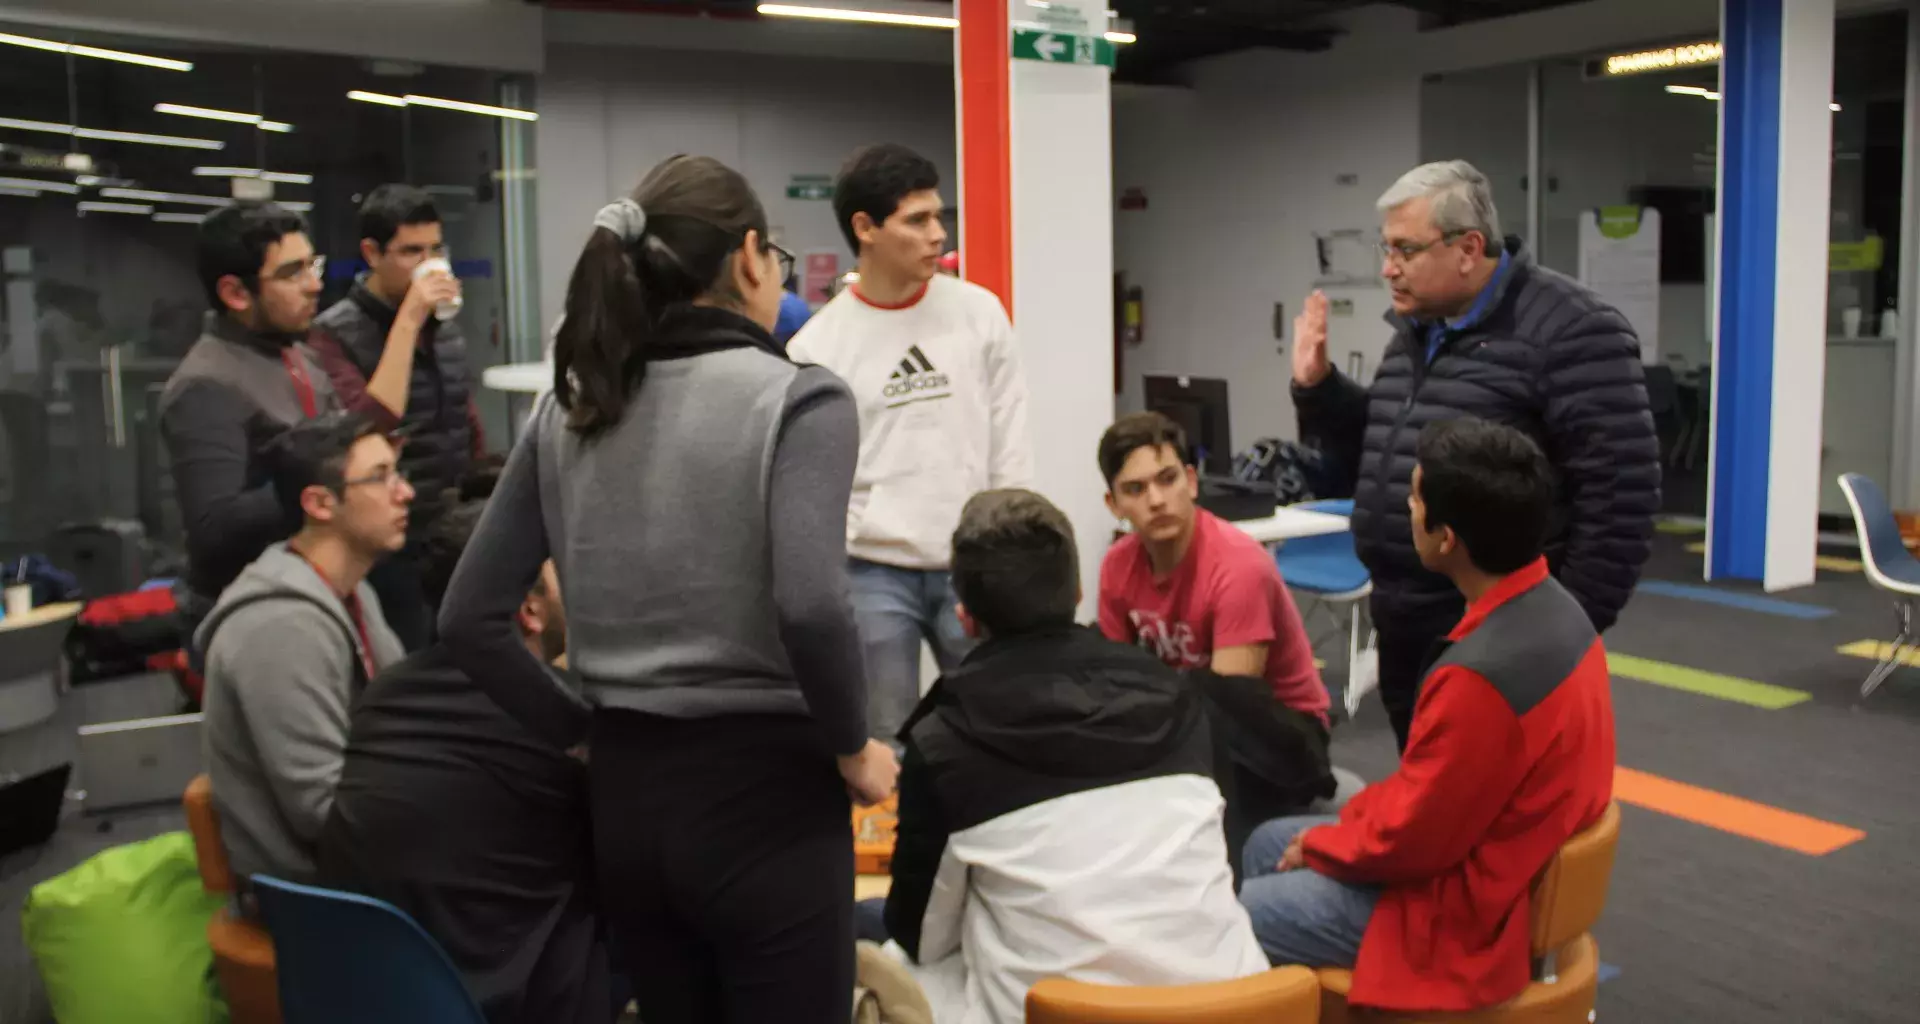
{"x": 1062, "y": 48}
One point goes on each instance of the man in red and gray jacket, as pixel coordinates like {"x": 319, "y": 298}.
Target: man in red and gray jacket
{"x": 1422, "y": 884}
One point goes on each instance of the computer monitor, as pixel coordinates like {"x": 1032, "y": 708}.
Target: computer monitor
{"x": 1199, "y": 405}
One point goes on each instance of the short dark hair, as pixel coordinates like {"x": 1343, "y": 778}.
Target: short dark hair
{"x": 388, "y": 207}
{"x": 234, "y": 240}
{"x": 1492, "y": 485}
{"x": 1015, "y": 566}
{"x": 874, "y": 180}
{"x": 1134, "y": 431}
{"x": 314, "y": 451}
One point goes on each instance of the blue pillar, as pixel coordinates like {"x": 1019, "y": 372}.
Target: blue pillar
{"x": 1776, "y": 80}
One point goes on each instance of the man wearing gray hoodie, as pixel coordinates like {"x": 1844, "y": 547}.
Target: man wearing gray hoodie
{"x": 294, "y": 638}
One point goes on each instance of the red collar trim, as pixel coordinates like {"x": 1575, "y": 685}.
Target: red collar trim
{"x": 912, "y": 300}
{"x": 1513, "y": 586}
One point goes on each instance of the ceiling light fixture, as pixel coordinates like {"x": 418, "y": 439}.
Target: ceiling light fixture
{"x": 40, "y": 186}
{"x": 23, "y": 193}
{"x": 297, "y": 207}
{"x": 95, "y": 51}
{"x": 164, "y": 197}
{"x": 222, "y": 115}
{"x": 283, "y": 177}
{"x": 20, "y": 124}
{"x": 893, "y": 18}
{"x": 179, "y": 218}
{"x": 413, "y": 100}
{"x": 864, "y": 17}
{"x": 1709, "y": 94}
{"x": 140, "y": 208}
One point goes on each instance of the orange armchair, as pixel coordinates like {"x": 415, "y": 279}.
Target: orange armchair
{"x": 1284, "y": 995}
{"x": 242, "y": 950}
{"x": 1567, "y": 900}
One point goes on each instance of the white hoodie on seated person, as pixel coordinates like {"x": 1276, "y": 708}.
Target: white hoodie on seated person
{"x": 943, "y": 412}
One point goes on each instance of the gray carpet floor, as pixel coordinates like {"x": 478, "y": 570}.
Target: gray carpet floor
{"x": 1703, "y": 926}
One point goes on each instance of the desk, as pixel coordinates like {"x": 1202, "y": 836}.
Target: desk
{"x": 1291, "y": 523}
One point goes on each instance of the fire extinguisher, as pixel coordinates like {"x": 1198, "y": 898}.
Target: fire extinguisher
{"x": 1133, "y": 316}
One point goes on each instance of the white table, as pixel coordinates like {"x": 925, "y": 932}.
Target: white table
{"x": 515, "y": 379}
{"x": 519, "y": 378}
{"x": 1288, "y": 523}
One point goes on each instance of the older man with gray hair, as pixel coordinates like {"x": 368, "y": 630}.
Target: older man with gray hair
{"x": 1481, "y": 330}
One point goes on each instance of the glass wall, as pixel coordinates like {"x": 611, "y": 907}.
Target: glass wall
{"x": 106, "y": 166}
{"x": 1649, "y": 141}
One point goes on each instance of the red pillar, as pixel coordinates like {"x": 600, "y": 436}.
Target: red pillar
{"x": 982, "y": 90}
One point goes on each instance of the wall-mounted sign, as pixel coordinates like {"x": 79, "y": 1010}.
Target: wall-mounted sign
{"x": 819, "y": 270}
{"x": 1061, "y": 48}
{"x": 1662, "y": 58}
{"x": 810, "y": 186}
{"x": 1852, "y": 257}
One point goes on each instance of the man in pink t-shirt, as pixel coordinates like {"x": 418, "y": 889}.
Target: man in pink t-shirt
{"x": 1208, "y": 599}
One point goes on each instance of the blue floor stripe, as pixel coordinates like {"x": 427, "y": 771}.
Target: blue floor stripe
{"x": 1608, "y": 972}
{"x": 1733, "y": 599}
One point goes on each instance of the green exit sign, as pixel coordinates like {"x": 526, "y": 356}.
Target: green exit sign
{"x": 1061, "y": 48}
{"x": 810, "y": 186}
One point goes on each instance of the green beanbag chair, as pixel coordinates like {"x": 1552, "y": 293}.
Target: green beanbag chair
{"x": 122, "y": 938}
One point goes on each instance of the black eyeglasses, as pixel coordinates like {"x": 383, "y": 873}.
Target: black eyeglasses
{"x": 786, "y": 260}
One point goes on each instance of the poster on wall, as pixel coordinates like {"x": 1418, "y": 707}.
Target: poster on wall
{"x": 820, "y": 268}
{"x": 1620, "y": 259}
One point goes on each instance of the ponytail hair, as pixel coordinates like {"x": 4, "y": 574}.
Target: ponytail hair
{"x": 666, "y": 245}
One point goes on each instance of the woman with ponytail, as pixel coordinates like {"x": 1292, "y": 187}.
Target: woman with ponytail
{"x": 690, "y": 484}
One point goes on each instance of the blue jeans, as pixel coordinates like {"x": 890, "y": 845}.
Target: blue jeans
{"x": 1301, "y": 916}
{"x": 895, "y": 610}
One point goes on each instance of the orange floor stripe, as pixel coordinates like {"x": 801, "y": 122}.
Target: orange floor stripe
{"x": 1785, "y": 829}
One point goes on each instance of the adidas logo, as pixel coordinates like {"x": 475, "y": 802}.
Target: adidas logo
{"x": 916, "y": 373}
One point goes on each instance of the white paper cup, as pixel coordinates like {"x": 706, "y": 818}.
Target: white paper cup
{"x": 19, "y": 599}
{"x": 439, "y": 265}
{"x": 1850, "y": 322}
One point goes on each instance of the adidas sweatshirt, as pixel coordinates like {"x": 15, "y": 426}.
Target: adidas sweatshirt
{"x": 943, "y": 412}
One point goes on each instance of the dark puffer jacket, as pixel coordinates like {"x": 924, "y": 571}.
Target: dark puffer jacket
{"x": 1541, "y": 353}
{"x": 442, "y": 434}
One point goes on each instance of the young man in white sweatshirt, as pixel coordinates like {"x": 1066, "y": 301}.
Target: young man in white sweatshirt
{"x": 935, "y": 371}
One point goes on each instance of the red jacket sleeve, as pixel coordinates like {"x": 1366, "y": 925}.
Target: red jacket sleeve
{"x": 1464, "y": 759}
{"x": 476, "y": 431}
{"x": 348, "y": 382}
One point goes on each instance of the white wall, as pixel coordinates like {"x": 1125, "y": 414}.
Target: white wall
{"x": 1240, "y": 172}
{"x": 609, "y": 115}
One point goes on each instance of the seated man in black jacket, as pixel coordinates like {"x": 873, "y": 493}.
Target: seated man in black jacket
{"x": 451, "y": 811}
{"x": 1057, "y": 814}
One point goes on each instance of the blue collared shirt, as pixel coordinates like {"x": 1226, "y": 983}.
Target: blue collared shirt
{"x": 1437, "y": 331}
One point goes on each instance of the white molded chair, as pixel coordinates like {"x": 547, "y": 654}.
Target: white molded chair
{"x": 1890, "y": 566}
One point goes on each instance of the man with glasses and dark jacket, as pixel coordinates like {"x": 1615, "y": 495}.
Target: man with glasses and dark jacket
{"x": 246, "y": 380}
{"x": 1480, "y": 329}
{"x": 396, "y": 356}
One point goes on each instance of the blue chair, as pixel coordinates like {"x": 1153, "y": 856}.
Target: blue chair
{"x": 1325, "y": 569}
{"x": 1890, "y": 566}
{"x": 345, "y": 957}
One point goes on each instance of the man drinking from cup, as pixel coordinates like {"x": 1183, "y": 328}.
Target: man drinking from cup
{"x": 395, "y": 354}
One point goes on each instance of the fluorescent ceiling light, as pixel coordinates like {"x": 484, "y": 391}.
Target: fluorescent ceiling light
{"x": 376, "y": 97}
{"x": 164, "y": 197}
{"x": 222, "y": 115}
{"x": 139, "y": 208}
{"x": 179, "y": 218}
{"x": 23, "y": 193}
{"x": 892, "y": 18}
{"x": 413, "y": 100}
{"x": 87, "y": 180}
{"x": 1709, "y": 94}
{"x": 20, "y": 124}
{"x": 866, "y": 17}
{"x": 283, "y": 177}
{"x": 95, "y": 51}
{"x": 40, "y": 186}
{"x": 297, "y": 207}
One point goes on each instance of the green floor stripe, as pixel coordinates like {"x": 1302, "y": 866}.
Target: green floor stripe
{"x": 1707, "y": 684}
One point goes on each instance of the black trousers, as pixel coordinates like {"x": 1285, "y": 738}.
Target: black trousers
{"x": 1405, "y": 642}
{"x": 725, "y": 861}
